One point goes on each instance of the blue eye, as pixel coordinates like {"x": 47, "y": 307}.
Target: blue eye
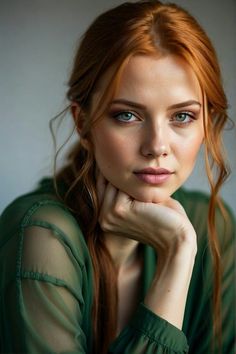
{"x": 125, "y": 116}
{"x": 183, "y": 118}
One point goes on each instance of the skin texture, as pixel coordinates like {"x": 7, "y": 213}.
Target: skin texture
{"x": 152, "y": 137}
{"x": 164, "y": 132}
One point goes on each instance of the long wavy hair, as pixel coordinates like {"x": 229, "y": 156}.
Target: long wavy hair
{"x": 147, "y": 28}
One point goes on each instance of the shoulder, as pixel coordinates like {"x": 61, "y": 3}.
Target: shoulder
{"x": 192, "y": 198}
{"x": 43, "y": 251}
{"x": 197, "y": 203}
{"x": 41, "y": 208}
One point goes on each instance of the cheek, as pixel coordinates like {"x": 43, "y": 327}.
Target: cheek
{"x": 189, "y": 150}
{"x": 110, "y": 150}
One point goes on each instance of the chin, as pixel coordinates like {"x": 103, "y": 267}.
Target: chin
{"x": 158, "y": 195}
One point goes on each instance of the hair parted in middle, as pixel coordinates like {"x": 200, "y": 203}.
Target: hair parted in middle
{"x": 148, "y": 28}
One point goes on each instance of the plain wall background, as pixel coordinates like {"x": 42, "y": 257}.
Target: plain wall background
{"x": 38, "y": 40}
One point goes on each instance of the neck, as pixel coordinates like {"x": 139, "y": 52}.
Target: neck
{"x": 124, "y": 251}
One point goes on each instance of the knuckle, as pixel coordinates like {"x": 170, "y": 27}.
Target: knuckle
{"x": 119, "y": 210}
{"x": 105, "y": 223}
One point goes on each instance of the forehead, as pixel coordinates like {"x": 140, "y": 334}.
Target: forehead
{"x": 167, "y": 75}
{"x": 153, "y": 78}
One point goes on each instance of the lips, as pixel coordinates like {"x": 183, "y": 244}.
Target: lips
{"x": 153, "y": 176}
{"x": 154, "y": 171}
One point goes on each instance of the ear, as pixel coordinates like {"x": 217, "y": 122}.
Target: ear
{"x": 78, "y": 116}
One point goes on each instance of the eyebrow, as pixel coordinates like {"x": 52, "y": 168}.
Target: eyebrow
{"x": 129, "y": 103}
{"x": 185, "y": 104}
{"x": 141, "y": 106}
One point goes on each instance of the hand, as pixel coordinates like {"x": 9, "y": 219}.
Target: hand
{"x": 164, "y": 226}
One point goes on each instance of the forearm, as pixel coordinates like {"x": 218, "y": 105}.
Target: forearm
{"x": 168, "y": 292}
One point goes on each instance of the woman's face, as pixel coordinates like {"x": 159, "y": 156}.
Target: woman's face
{"x": 147, "y": 144}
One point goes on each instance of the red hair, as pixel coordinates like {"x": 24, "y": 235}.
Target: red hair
{"x": 148, "y": 28}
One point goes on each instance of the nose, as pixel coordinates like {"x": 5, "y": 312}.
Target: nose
{"x": 155, "y": 142}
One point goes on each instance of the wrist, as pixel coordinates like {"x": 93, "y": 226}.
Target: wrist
{"x": 182, "y": 244}
{"x": 179, "y": 258}
{"x": 168, "y": 293}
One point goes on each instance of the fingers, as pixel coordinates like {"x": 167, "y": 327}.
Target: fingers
{"x": 174, "y": 205}
{"x": 107, "y": 193}
{"x": 106, "y": 207}
{"x": 113, "y": 203}
{"x": 101, "y": 187}
{"x": 109, "y": 197}
{"x": 115, "y": 200}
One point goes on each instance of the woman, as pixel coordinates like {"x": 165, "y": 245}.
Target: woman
{"x": 114, "y": 256}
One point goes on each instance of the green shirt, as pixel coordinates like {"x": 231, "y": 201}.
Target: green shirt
{"x": 46, "y": 284}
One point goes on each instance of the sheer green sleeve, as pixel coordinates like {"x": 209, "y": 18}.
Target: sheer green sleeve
{"x": 46, "y": 284}
{"x": 148, "y": 334}
{"x": 198, "y": 321}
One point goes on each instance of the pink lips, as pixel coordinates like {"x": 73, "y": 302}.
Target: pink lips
{"x": 153, "y": 175}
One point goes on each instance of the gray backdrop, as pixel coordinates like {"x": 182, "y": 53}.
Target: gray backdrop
{"x": 38, "y": 39}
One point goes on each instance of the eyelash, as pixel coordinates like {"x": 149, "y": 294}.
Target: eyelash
{"x": 116, "y": 116}
{"x": 188, "y": 114}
